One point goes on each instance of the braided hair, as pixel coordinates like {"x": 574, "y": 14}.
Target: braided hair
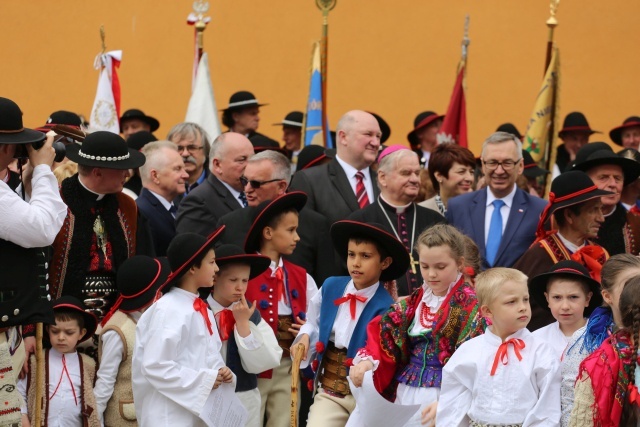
{"x": 630, "y": 314}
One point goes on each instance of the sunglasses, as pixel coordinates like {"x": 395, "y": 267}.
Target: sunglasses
{"x": 256, "y": 184}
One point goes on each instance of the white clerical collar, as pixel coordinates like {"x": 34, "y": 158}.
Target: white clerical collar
{"x": 508, "y": 199}
{"x": 573, "y": 248}
{"x": 399, "y": 209}
{"x": 612, "y": 211}
{"x": 100, "y": 196}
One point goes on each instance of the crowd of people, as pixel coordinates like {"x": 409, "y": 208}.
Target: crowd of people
{"x": 178, "y": 274}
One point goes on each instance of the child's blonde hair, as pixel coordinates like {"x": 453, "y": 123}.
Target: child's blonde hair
{"x": 443, "y": 235}
{"x": 489, "y": 282}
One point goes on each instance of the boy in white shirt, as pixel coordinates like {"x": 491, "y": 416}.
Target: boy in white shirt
{"x": 339, "y": 314}
{"x": 177, "y": 362}
{"x": 506, "y": 376}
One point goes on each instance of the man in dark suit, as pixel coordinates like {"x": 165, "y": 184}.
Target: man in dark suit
{"x": 332, "y": 188}
{"x": 501, "y": 218}
{"x": 222, "y": 191}
{"x": 265, "y": 178}
{"x": 163, "y": 178}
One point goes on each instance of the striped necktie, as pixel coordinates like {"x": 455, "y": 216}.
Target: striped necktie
{"x": 361, "y": 191}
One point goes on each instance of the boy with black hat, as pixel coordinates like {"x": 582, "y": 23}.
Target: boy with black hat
{"x": 69, "y": 374}
{"x": 282, "y": 293}
{"x": 339, "y": 314}
{"x": 249, "y": 346}
{"x": 177, "y": 362}
{"x": 138, "y": 280}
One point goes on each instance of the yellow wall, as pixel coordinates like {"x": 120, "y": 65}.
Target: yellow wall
{"x": 394, "y": 57}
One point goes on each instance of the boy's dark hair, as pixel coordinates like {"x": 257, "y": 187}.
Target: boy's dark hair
{"x": 630, "y": 315}
{"x": 570, "y": 278}
{"x": 360, "y": 239}
{"x": 66, "y": 314}
{"x": 197, "y": 262}
{"x": 275, "y": 221}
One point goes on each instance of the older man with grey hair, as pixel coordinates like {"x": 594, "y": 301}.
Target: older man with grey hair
{"x": 222, "y": 191}
{"x": 500, "y": 218}
{"x": 193, "y": 145}
{"x": 395, "y": 209}
{"x": 163, "y": 178}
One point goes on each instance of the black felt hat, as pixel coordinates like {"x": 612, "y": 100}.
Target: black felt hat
{"x": 232, "y": 254}
{"x": 242, "y": 99}
{"x": 294, "y": 119}
{"x": 183, "y": 250}
{"x": 139, "y": 139}
{"x": 67, "y": 302}
{"x": 385, "y": 130}
{"x": 265, "y": 211}
{"x": 616, "y": 133}
{"x": 422, "y": 120}
{"x": 531, "y": 168}
{"x": 12, "y": 130}
{"x": 510, "y": 128}
{"x": 139, "y": 278}
{"x": 104, "y": 149}
{"x": 61, "y": 118}
{"x": 342, "y": 231}
{"x": 576, "y": 122}
{"x": 310, "y": 156}
{"x": 134, "y": 113}
{"x": 591, "y": 158}
{"x": 570, "y": 270}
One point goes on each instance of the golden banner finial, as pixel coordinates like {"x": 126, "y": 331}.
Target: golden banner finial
{"x": 465, "y": 39}
{"x": 553, "y": 8}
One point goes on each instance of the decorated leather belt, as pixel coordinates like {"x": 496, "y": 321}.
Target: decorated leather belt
{"x": 333, "y": 377}
{"x": 284, "y": 337}
{"x": 477, "y": 424}
{"x": 99, "y": 293}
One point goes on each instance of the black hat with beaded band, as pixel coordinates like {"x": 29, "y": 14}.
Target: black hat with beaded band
{"x": 569, "y": 270}
{"x": 135, "y": 114}
{"x": 591, "y": 156}
{"x": 242, "y": 99}
{"x": 616, "y": 133}
{"x": 421, "y": 121}
{"x": 343, "y": 231}
{"x": 70, "y": 303}
{"x": 232, "y": 254}
{"x": 264, "y": 213}
{"x": 531, "y": 168}
{"x": 11, "y": 129}
{"x": 103, "y": 149}
{"x": 294, "y": 119}
{"x": 568, "y": 189}
{"x": 183, "y": 251}
{"x": 312, "y": 155}
{"x": 510, "y": 128}
{"x": 139, "y": 139}
{"x": 576, "y": 122}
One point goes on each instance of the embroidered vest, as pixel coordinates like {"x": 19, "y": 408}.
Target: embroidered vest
{"x": 558, "y": 251}
{"x": 120, "y": 410}
{"x": 244, "y": 380}
{"x": 87, "y": 398}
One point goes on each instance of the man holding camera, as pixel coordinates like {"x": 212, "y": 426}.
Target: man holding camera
{"x": 28, "y": 226}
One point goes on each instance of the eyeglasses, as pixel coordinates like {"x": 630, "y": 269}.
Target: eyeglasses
{"x": 507, "y": 165}
{"x": 256, "y": 184}
{"x": 189, "y": 148}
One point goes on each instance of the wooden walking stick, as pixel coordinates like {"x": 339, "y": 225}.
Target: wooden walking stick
{"x": 295, "y": 378}
{"x": 37, "y": 420}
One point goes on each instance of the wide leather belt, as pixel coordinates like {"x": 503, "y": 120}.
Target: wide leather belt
{"x": 99, "y": 293}
{"x": 333, "y": 376}
{"x": 284, "y": 337}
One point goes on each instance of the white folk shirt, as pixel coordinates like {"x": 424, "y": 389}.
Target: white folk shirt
{"x": 343, "y": 325}
{"x": 34, "y": 223}
{"x": 552, "y": 335}
{"x": 523, "y": 391}
{"x": 110, "y": 359}
{"x": 175, "y": 362}
{"x": 64, "y": 410}
{"x": 284, "y": 305}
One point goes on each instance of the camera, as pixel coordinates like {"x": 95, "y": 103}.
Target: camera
{"x": 58, "y": 146}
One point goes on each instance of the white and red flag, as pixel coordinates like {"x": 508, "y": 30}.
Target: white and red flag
{"x": 105, "y": 113}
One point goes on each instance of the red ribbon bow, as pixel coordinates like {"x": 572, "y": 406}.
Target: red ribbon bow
{"x": 226, "y": 321}
{"x": 352, "y": 306}
{"x": 200, "y": 306}
{"x": 502, "y": 355}
{"x": 280, "y": 278}
{"x": 588, "y": 256}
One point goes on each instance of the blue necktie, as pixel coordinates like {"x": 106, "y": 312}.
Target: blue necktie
{"x": 243, "y": 199}
{"x": 173, "y": 210}
{"x": 495, "y": 233}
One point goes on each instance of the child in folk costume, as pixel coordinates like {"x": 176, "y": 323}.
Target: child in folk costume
{"x": 570, "y": 294}
{"x": 249, "y": 346}
{"x": 606, "y": 391}
{"x": 176, "y": 361}
{"x": 138, "y": 280}
{"x": 414, "y": 339}
{"x": 506, "y": 376}
{"x": 338, "y": 315}
{"x": 69, "y": 375}
{"x": 282, "y": 293}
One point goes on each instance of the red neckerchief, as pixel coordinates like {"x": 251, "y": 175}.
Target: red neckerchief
{"x": 502, "y": 355}
{"x": 226, "y": 322}
{"x": 200, "y": 306}
{"x": 352, "y": 298}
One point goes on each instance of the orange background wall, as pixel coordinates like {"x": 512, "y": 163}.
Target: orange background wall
{"x": 394, "y": 57}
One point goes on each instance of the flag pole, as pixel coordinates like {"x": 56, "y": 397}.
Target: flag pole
{"x": 325, "y": 6}
{"x": 552, "y": 23}
{"x": 199, "y": 22}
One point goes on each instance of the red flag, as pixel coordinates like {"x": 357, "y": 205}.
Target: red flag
{"x": 454, "y": 126}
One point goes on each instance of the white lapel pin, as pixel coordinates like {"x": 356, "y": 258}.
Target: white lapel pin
{"x": 520, "y": 210}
